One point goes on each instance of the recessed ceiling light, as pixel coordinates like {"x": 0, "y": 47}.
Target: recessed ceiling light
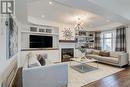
{"x": 50, "y": 2}
{"x": 43, "y": 16}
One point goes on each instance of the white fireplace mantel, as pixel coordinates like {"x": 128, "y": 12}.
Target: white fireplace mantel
{"x": 66, "y": 45}
{"x": 77, "y": 53}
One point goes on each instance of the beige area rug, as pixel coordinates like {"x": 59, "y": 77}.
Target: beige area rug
{"x": 77, "y": 79}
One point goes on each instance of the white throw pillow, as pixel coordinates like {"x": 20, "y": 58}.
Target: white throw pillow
{"x": 96, "y": 52}
{"x": 115, "y": 54}
{"x": 32, "y": 59}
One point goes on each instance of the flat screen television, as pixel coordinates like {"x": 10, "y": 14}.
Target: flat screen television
{"x": 37, "y": 41}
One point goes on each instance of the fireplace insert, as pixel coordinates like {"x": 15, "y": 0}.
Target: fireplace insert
{"x": 67, "y": 54}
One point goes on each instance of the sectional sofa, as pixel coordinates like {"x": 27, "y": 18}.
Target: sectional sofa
{"x": 114, "y": 58}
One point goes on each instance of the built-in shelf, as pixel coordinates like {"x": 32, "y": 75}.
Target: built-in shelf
{"x": 41, "y": 33}
{"x": 35, "y": 49}
{"x": 67, "y": 41}
{"x": 85, "y": 38}
{"x": 39, "y": 30}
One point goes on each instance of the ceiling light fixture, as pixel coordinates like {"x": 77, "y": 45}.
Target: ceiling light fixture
{"x": 43, "y": 16}
{"x": 78, "y": 26}
{"x": 50, "y": 2}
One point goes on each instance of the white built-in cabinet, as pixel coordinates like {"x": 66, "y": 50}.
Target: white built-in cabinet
{"x": 85, "y": 38}
{"x": 52, "y": 53}
{"x": 39, "y": 30}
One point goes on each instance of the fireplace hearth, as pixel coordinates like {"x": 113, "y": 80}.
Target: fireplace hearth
{"x": 67, "y": 54}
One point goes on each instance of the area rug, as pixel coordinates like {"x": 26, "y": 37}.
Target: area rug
{"x": 77, "y": 79}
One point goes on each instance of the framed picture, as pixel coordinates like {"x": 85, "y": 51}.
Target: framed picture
{"x": 12, "y": 33}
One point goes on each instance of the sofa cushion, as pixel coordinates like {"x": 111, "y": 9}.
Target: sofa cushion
{"x": 93, "y": 56}
{"x": 33, "y": 65}
{"x": 101, "y": 58}
{"x": 109, "y": 59}
{"x": 104, "y": 53}
{"x": 115, "y": 54}
{"x": 95, "y": 52}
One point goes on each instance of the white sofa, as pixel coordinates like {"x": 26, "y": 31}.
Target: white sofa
{"x": 116, "y": 58}
{"x": 50, "y": 75}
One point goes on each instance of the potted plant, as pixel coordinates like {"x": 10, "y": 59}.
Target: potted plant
{"x": 82, "y": 50}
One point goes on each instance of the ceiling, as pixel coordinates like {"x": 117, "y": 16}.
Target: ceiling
{"x": 120, "y": 7}
{"x": 93, "y": 13}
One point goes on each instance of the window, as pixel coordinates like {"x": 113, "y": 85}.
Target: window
{"x": 108, "y": 40}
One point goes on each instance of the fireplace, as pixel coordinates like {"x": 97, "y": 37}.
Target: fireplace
{"x": 67, "y": 54}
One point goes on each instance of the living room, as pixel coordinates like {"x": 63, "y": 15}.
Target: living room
{"x": 65, "y": 43}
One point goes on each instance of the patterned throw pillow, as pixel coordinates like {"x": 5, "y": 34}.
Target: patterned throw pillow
{"x": 95, "y": 52}
{"x": 105, "y": 54}
{"x": 41, "y": 59}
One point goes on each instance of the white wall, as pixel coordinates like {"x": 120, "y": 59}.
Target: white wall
{"x": 21, "y": 10}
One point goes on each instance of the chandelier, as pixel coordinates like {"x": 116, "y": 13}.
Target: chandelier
{"x": 78, "y": 26}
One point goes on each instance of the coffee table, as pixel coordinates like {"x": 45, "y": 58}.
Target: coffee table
{"x": 84, "y": 67}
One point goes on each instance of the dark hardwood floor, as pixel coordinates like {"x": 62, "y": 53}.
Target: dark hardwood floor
{"x": 120, "y": 79}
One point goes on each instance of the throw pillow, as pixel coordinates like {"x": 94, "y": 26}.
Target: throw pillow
{"x": 115, "y": 54}
{"x": 105, "y": 54}
{"x": 95, "y": 52}
{"x": 41, "y": 59}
